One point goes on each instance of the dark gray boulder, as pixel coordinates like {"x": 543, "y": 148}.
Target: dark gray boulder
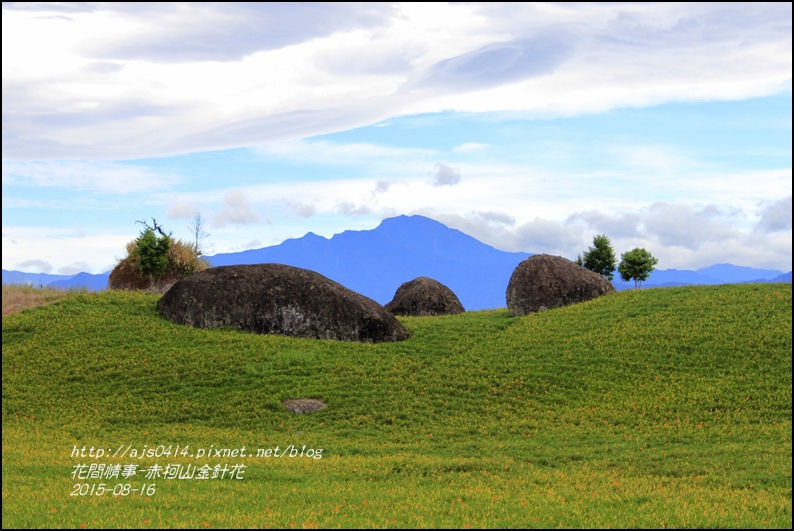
{"x": 278, "y": 299}
{"x": 549, "y": 281}
{"x": 424, "y": 296}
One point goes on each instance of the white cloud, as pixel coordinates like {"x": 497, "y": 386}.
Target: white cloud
{"x": 444, "y": 175}
{"x": 73, "y": 268}
{"x": 382, "y": 186}
{"x": 680, "y": 235}
{"x": 681, "y": 225}
{"x": 776, "y": 217}
{"x": 351, "y": 209}
{"x": 547, "y": 236}
{"x": 497, "y": 217}
{"x": 625, "y": 225}
{"x": 31, "y": 266}
{"x": 181, "y": 211}
{"x": 302, "y": 210}
{"x": 235, "y": 210}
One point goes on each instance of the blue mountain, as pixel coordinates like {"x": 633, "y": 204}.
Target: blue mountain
{"x": 31, "y": 279}
{"x": 83, "y": 280}
{"x": 662, "y": 278}
{"x": 375, "y": 262}
{"x": 88, "y": 281}
{"x": 729, "y": 273}
{"x": 716, "y": 274}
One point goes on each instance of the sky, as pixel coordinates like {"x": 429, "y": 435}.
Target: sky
{"x": 530, "y": 126}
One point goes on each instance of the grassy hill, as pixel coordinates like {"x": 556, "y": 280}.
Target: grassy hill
{"x": 652, "y": 408}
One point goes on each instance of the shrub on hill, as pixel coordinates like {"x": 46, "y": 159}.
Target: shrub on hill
{"x": 182, "y": 260}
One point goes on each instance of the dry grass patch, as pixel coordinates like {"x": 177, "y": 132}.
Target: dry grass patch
{"x": 18, "y": 298}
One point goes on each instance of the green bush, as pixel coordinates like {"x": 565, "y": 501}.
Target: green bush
{"x": 152, "y": 253}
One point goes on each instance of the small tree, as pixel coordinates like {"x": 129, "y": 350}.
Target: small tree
{"x": 599, "y": 258}
{"x": 636, "y": 265}
{"x": 198, "y": 234}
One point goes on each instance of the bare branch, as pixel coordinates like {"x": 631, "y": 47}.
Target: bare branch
{"x": 154, "y": 227}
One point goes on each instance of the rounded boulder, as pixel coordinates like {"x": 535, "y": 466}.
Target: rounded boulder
{"x": 549, "y": 281}
{"x": 278, "y": 299}
{"x": 424, "y": 296}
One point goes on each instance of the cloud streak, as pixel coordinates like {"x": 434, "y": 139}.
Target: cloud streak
{"x": 121, "y": 81}
{"x": 90, "y": 176}
{"x": 497, "y": 63}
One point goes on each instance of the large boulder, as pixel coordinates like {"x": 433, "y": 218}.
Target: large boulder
{"x": 424, "y": 296}
{"x": 549, "y": 281}
{"x": 278, "y": 299}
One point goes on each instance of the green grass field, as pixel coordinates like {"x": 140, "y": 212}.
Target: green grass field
{"x": 653, "y": 408}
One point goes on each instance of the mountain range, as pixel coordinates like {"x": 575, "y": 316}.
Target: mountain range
{"x": 376, "y": 262}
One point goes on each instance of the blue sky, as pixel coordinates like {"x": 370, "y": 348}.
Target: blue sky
{"x": 530, "y": 126}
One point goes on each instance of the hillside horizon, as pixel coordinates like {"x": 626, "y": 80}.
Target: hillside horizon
{"x": 377, "y": 261}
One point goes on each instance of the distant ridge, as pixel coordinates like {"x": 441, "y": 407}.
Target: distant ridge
{"x": 737, "y": 274}
{"x": 376, "y": 262}
{"x": 88, "y": 281}
{"x": 83, "y": 280}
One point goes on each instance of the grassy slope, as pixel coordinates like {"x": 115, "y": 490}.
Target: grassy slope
{"x": 667, "y": 407}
